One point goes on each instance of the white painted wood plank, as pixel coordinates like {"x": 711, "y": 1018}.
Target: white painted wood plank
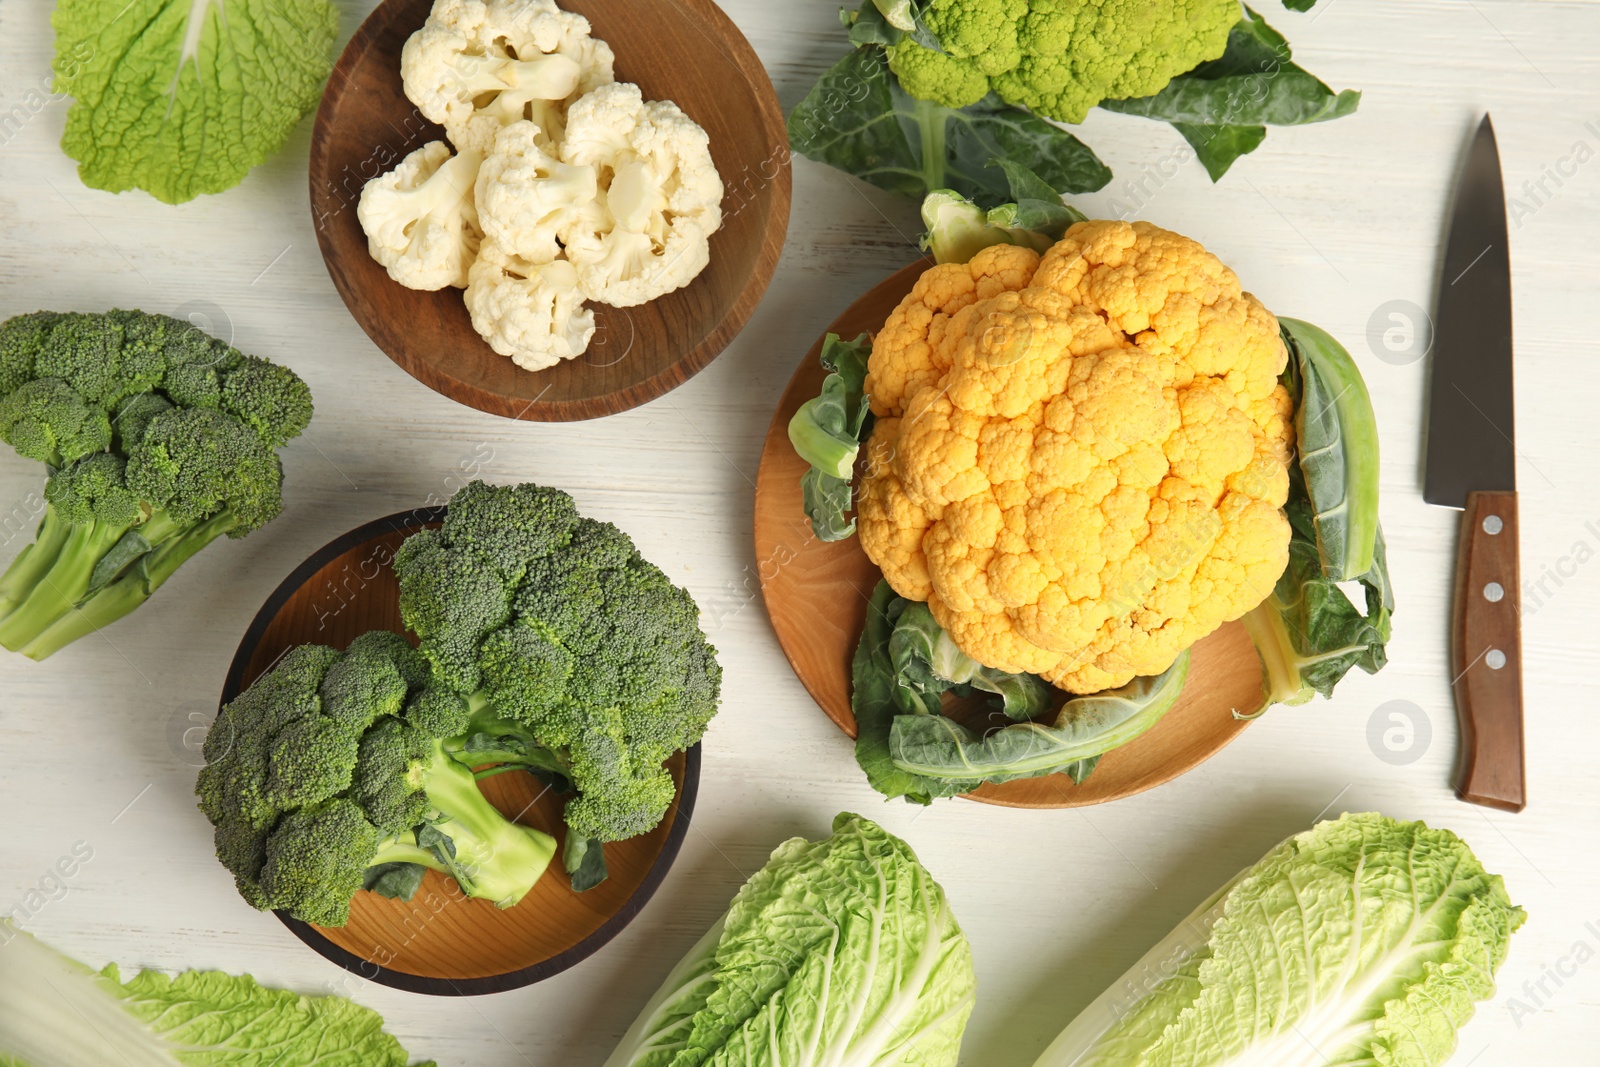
{"x": 1328, "y": 223}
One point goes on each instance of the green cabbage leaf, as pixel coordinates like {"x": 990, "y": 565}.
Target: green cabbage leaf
{"x": 55, "y": 1012}
{"x": 1362, "y": 941}
{"x": 184, "y": 97}
{"x": 841, "y": 951}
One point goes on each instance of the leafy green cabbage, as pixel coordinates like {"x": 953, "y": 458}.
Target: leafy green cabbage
{"x": 184, "y": 97}
{"x": 841, "y": 951}
{"x": 1362, "y": 941}
{"x": 55, "y": 1012}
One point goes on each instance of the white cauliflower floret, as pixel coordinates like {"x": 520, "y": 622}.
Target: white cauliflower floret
{"x": 420, "y": 219}
{"x": 650, "y": 231}
{"x": 526, "y": 196}
{"x": 477, "y": 66}
{"x": 532, "y": 312}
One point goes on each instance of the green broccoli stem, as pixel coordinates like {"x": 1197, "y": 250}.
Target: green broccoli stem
{"x": 62, "y": 604}
{"x": 57, "y": 588}
{"x": 499, "y": 745}
{"x": 403, "y": 848}
{"x": 34, "y": 562}
{"x": 491, "y": 857}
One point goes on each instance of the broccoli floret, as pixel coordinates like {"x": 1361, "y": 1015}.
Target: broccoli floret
{"x": 622, "y": 790}
{"x": 321, "y": 776}
{"x": 269, "y": 399}
{"x": 316, "y": 861}
{"x": 438, "y": 711}
{"x": 196, "y": 463}
{"x": 160, "y": 439}
{"x": 133, "y": 418}
{"x": 581, "y": 660}
{"x": 386, "y": 781}
{"x": 49, "y": 421}
{"x": 88, "y": 352}
{"x": 21, "y": 338}
{"x": 94, "y": 489}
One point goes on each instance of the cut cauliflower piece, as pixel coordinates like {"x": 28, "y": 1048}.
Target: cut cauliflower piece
{"x": 421, "y": 220}
{"x": 531, "y": 312}
{"x": 526, "y": 196}
{"x": 1081, "y": 460}
{"x": 649, "y": 234}
{"x": 477, "y": 66}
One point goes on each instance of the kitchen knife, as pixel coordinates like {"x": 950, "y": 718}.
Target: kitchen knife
{"x": 1471, "y": 464}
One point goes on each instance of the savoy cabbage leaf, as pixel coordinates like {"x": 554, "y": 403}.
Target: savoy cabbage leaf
{"x": 184, "y": 97}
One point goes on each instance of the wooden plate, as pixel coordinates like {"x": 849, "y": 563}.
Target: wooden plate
{"x": 440, "y": 942}
{"x": 687, "y": 51}
{"x": 817, "y": 596}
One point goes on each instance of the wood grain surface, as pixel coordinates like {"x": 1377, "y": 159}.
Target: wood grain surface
{"x": 1486, "y": 654}
{"x": 688, "y": 52}
{"x": 817, "y": 594}
{"x": 440, "y": 941}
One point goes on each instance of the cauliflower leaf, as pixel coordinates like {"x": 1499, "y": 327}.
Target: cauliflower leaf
{"x": 185, "y": 97}
{"x": 827, "y": 432}
{"x": 857, "y": 118}
{"x": 934, "y": 86}
{"x": 1223, "y": 107}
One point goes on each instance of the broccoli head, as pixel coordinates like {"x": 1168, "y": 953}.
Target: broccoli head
{"x": 583, "y": 660}
{"x": 1063, "y": 57}
{"x": 321, "y": 781}
{"x": 121, "y": 403}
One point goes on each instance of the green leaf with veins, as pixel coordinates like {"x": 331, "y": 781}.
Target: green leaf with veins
{"x": 1222, "y": 107}
{"x": 1217, "y": 147}
{"x": 1086, "y": 728}
{"x": 842, "y": 951}
{"x": 872, "y": 699}
{"x": 888, "y": 22}
{"x": 184, "y": 97}
{"x": 1336, "y": 435}
{"x": 54, "y": 1010}
{"x": 858, "y": 119}
{"x": 826, "y": 432}
{"x": 1362, "y": 941}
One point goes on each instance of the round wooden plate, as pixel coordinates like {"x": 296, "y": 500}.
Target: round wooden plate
{"x": 687, "y": 51}
{"x": 817, "y": 596}
{"x": 440, "y": 942}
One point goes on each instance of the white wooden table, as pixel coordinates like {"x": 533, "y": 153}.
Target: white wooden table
{"x": 1329, "y": 223}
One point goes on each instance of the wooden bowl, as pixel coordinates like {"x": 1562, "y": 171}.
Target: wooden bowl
{"x": 440, "y": 942}
{"x": 817, "y": 595}
{"x": 687, "y": 51}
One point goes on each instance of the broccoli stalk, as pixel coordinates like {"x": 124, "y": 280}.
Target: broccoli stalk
{"x": 467, "y": 838}
{"x": 158, "y": 440}
{"x": 77, "y": 578}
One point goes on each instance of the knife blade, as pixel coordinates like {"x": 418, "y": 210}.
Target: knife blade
{"x": 1471, "y": 465}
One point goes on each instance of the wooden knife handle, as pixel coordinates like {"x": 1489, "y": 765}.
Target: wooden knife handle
{"x": 1487, "y": 654}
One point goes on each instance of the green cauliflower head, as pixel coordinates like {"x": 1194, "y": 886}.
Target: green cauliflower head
{"x": 1060, "y": 57}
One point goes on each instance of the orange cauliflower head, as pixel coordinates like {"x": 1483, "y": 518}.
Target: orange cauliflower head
{"x": 1080, "y": 461}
